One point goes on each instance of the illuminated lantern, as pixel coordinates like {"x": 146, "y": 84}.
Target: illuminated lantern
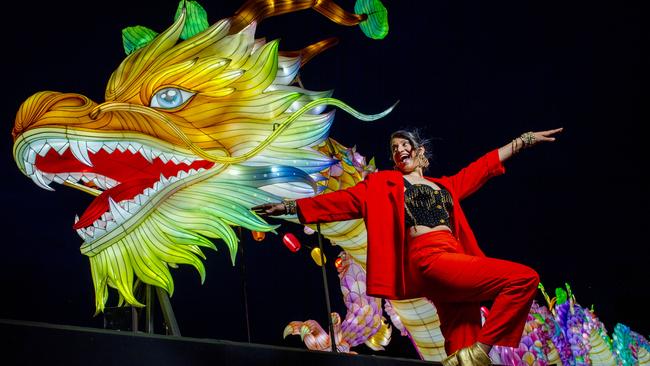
{"x": 258, "y": 235}
{"x": 315, "y": 255}
{"x": 308, "y": 230}
{"x": 291, "y": 242}
{"x": 338, "y": 262}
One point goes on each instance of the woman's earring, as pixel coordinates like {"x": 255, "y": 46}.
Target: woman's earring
{"x": 423, "y": 162}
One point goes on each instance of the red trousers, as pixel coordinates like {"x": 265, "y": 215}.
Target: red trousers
{"x": 457, "y": 283}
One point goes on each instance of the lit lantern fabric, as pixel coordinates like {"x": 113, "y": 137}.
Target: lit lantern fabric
{"x": 258, "y": 235}
{"x": 316, "y": 256}
{"x": 291, "y": 242}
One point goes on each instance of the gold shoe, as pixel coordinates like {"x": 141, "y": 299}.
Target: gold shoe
{"x": 451, "y": 360}
{"x": 473, "y": 356}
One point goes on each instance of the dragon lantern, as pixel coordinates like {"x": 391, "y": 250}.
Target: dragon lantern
{"x": 199, "y": 123}
{"x": 202, "y": 122}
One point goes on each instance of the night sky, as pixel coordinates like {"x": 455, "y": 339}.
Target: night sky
{"x": 471, "y": 75}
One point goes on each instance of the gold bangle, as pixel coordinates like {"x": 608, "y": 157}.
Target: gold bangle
{"x": 528, "y": 138}
{"x": 515, "y": 147}
{"x": 290, "y": 206}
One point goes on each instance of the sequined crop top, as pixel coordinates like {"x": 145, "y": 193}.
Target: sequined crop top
{"x": 426, "y": 206}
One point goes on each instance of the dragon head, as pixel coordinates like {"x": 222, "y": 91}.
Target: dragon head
{"x": 198, "y": 125}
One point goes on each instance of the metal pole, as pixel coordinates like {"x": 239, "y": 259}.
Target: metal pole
{"x": 243, "y": 284}
{"x": 168, "y": 313}
{"x": 326, "y": 288}
{"x": 134, "y": 319}
{"x": 149, "y": 309}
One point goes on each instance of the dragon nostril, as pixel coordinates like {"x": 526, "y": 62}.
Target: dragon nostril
{"x": 71, "y": 100}
{"x": 53, "y": 105}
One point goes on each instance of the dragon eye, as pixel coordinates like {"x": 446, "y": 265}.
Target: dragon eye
{"x": 169, "y": 98}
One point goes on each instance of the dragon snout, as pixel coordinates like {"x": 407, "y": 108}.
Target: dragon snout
{"x": 59, "y": 108}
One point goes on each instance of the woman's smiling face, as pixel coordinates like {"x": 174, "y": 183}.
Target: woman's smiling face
{"x": 404, "y": 154}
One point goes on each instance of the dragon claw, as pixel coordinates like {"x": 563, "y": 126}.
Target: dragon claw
{"x": 288, "y": 330}
{"x": 304, "y": 330}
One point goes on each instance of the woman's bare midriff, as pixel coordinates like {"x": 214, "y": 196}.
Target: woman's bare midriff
{"x": 418, "y": 230}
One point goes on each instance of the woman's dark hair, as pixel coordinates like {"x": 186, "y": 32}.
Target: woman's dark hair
{"x": 413, "y": 136}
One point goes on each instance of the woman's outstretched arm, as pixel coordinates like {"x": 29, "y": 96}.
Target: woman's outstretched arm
{"x": 340, "y": 205}
{"x": 473, "y": 176}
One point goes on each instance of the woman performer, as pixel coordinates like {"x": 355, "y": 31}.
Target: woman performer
{"x": 420, "y": 244}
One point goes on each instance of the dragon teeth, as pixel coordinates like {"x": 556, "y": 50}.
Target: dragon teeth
{"x": 40, "y": 180}
{"x": 108, "y": 217}
{"x": 110, "y": 183}
{"x": 60, "y": 146}
{"x": 110, "y": 225}
{"x": 121, "y": 211}
{"x": 94, "y": 146}
{"x": 100, "y": 182}
{"x": 146, "y": 153}
{"x": 117, "y": 211}
{"x": 81, "y": 233}
{"x": 60, "y": 178}
{"x": 86, "y": 177}
{"x": 99, "y": 232}
{"x": 134, "y": 147}
{"x": 80, "y": 151}
{"x": 44, "y": 150}
{"x": 139, "y": 199}
{"x": 109, "y": 146}
{"x": 164, "y": 158}
{"x": 31, "y": 156}
{"x": 132, "y": 206}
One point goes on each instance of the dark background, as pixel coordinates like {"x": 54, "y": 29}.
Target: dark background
{"x": 470, "y": 74}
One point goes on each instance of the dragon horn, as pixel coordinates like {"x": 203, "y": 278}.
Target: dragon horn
{"x": 372, "y": 18}
{"x": 312, "y": 50}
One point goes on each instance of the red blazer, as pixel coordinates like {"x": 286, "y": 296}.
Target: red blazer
{"x": 379, "y": 200}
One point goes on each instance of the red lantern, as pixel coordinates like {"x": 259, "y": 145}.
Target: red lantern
{"x": 258, "y": 235}
{"x": 338, "y": 262}
{"x": 291, "y": 242}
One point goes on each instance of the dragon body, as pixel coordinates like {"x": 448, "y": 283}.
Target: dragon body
{"x": 415, "y": 318}
{"x": 363, "y": 322}
{"x": 565, "y": 333}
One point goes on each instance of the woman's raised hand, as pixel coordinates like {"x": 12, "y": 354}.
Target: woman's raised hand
{"x": 532, "y": 138}
{"x": 526, "y": 140}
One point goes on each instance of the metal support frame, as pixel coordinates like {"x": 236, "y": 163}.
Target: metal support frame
{"x": 240, "y": 249}
{"x": 171, "y": 326}
{"x": 326, "y": 289}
